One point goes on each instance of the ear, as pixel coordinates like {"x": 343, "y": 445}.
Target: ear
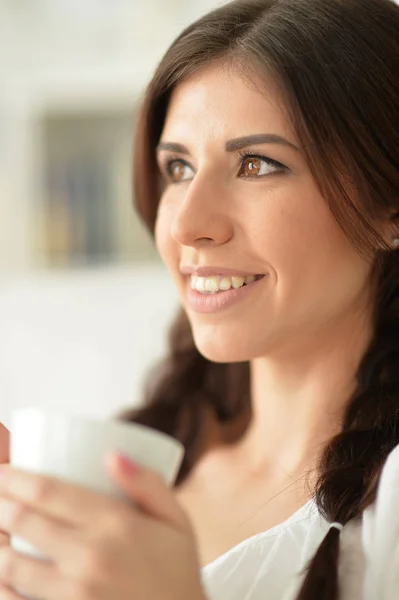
{"x": 389, "y": 230}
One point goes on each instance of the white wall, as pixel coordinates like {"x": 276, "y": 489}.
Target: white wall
{"x": 82, "y": 342}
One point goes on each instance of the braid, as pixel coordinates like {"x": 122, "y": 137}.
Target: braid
{"x": 352, "y": 462}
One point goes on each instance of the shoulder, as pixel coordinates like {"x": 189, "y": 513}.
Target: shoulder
{"x": 392, "y": 462}
{"x": 381, "y": 534}
{"x": 385, "y": 509}
{"x": 388, "y": 487}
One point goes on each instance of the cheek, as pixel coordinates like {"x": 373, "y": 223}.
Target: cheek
{"x": 309, "y": 254}
{"x": 162, "y": 229}
{"x": 168, "y": 249}
{"x": 296, "y": 224}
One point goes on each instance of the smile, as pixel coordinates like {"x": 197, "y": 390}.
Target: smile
{"x": 216, "y": 285}
{"x": 206, "y": 294}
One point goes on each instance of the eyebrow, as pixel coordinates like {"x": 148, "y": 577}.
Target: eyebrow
{"x": 235, "y": 144}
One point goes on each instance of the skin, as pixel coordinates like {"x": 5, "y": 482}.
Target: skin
{"x": 307, "y": 324}
{"x": 98, "y": 547}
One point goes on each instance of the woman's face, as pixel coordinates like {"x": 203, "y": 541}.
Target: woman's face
{"x": 249, "y": 207}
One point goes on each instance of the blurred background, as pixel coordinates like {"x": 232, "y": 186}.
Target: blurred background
{"x": 85, "y": 303}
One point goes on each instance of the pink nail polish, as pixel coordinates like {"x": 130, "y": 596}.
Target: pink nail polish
{"x": 128, "y": 466}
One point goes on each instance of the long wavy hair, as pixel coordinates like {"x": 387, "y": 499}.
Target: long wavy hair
{"x": 338, "y": 64}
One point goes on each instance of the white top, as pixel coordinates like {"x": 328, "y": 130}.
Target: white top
{"x": 267, "y": 565}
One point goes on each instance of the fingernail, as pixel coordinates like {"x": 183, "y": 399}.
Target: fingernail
{"x": 128, "y": 466}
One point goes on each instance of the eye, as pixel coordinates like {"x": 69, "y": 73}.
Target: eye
{"x": 255, "y": 165}
{"x": 178, "y": 170}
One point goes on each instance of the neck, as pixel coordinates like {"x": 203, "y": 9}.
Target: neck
{"x": 299, "y": 398}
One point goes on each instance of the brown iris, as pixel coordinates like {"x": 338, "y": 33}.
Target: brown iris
{"x": 251, "y": 167}
{"x": 176, "y": 171}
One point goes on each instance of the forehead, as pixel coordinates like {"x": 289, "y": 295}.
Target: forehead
{"x": 219, "y": 102}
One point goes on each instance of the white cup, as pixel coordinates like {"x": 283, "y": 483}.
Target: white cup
{"x": 73, "y": 449}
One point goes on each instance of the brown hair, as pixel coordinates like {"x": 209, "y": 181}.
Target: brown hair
{"x": 338, "y": 65}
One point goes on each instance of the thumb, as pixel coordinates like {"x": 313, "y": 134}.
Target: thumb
{"x": 4, "y": 458}
{"x": 148, "y": 490}
{"x": 4, "y": 539}
{"x": 4, "y": 444}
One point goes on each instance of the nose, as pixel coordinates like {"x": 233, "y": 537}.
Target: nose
{"x": 202, "y": 217}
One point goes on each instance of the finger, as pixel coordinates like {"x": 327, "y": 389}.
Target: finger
{"x": 4, "y": 444}
{"x": 53, "y": 539}
{"x": 7, "y": 593}
{"x": 70, "y": 503}
{"x": 28, "y": 576}
{"x": 148, "y": 490}
{"x": 5, "y": 459}
{"x": 4, "y": 538}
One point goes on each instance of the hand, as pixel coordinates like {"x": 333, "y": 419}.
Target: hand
{"x": 4, "y": 444}
{"x": 4, "y": 458}
{"x": 100, "y": 548}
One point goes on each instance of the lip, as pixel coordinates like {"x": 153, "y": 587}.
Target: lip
{"x": 214, "y": 271}
{"x": 213, "y": 303}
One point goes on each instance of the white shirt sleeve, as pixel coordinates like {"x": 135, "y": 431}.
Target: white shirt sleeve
{"x": 381, "y": 543}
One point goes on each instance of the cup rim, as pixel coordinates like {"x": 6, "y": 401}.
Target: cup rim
{"x": 147, "y": 430}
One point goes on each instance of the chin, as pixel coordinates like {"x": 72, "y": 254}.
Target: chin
{"x": 218, "y": 348}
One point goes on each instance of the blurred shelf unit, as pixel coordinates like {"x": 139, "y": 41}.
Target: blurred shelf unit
{"x": 86, "y": 214}
{"x": 68, "y": 176}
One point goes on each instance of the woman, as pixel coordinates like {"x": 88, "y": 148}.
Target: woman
{"x": 267, "y": 167}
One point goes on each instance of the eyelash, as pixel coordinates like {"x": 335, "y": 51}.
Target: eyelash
{"x": 242, "y": 156}
{"x": 245, "y": 154}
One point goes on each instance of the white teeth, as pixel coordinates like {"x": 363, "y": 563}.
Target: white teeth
{"x": 200, "y": 284}
{"x": 238, "y": 282}
{"x": 225, "y": 284}
{"x": 212, "y": 285}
